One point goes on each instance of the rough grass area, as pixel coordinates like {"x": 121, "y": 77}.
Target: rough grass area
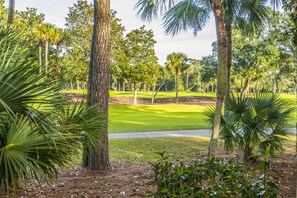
{"x": 130, "y": 173}
{"x": 144, "y": 150}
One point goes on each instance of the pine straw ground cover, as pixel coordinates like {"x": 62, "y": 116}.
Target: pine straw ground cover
{"x": 130, "y": 173}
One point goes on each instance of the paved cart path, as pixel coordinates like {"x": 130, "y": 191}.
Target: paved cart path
{"x": 202, "y": 132}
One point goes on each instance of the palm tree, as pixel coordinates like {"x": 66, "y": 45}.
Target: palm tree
{"x": 189, "y": 14}
{"x": 11, "y": 12}
{"x": 248, "y": 16}
{"x": 193, "y": 14}
{"x": 38, "y": 133}
{"x": 176, "y": 63}
{"x": 98, "y": 90}
{"x": 291, "y": 7}
{"x": 48, "y": 33}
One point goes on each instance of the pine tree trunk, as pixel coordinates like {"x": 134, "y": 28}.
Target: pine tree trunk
{"x": 40, "y": 57}
{"x": 176, "y": 86}
{"x": 46, "y": 56}
{"x": 98, "y": 158}
{"x": 221, "y": 76}
{"x": 11, "y": 12}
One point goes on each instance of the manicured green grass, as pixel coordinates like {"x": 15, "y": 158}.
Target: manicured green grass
{"x": 163, "y": 117}
{"x": 143, "y": 150}
{"x": 156, "y": 118}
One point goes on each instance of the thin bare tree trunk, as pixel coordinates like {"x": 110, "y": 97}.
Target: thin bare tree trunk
{"x": 135, "y": 95}
{"x": 187, "y": 81}
{"x": 153, "y": 93}
{"x": 11, "y": 12}
{"x": 159, "y": 88}
{"x": 176, "y": 86}
{"x": 77, "y": 85}
{"x": 296, "y": 96}
{"x": 221, "y": 75}
{"x": 40, "y": 57}
{"x": 229, "y": 58}
{"x": 98, "y": 158}
{"x": 46, "y": 56}
{"x": 246, "y": 87}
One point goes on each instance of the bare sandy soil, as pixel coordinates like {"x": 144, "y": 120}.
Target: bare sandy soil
{"x": 197, "y": 100}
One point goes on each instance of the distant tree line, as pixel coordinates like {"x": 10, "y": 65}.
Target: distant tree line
{"x": 64, "y": 54}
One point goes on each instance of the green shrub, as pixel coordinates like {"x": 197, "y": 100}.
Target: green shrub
{"x": 39, "y": 131}
{"x": 250, "y": 125}
{"x": 210, "y": 178}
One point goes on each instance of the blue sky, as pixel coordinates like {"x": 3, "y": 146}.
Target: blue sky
{"x": 194, "y": 47}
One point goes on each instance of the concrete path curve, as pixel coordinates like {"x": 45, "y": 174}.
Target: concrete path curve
{"x": 202, "y": 132}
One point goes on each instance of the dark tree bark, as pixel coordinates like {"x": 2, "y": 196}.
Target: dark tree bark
{"x": 296, "y": 96}
{"x": 221, "y": 75}
{"x": 98, "y": 158}
{"x": 229, "y": 57}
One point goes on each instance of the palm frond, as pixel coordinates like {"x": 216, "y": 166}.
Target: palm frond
{"x": 82, "y": 121}
{"x": 27, "y": 153}
{"x": 187, "y": 14}
{"x": 251, "y": 16}
{"x": 148, "y": 9}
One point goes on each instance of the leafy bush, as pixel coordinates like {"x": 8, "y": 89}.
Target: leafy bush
{"x": 251, "y": 124}
{"x": 210, "y": 178}
{"x": 39, "y": 131}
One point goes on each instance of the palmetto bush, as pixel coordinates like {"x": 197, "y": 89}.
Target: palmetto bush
{"x": 252, "y": 124}
{"x": 39, "y": 130}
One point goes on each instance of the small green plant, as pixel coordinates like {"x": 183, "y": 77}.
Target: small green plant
{"x": 251, "y": 124}
{"x": 209, "y": 178}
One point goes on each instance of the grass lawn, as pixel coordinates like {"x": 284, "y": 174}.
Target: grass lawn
{"x": 124, "y": 119}
{"x": 163, "y": 117}
{"x": 156, "y": 118}
{"x": 143, "y": 150}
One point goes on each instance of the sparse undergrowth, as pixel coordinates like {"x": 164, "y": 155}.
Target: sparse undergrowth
{"x": 130, "y": 173}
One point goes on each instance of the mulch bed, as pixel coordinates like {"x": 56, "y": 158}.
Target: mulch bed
{"x": 131, "y": 180}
